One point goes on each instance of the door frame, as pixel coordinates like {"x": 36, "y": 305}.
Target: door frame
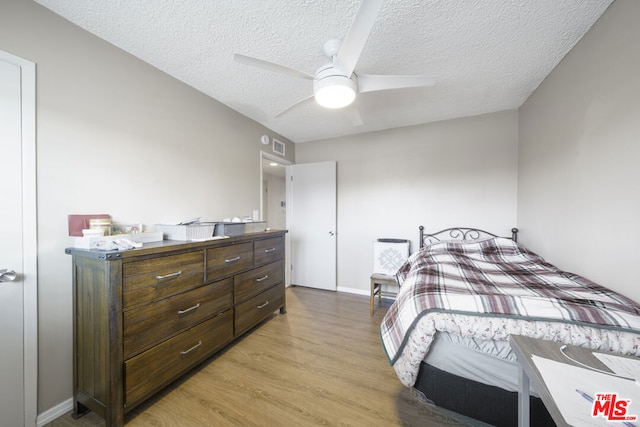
{"x": 29, "y": 269}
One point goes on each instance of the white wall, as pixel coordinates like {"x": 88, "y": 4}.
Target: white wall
{"x": 579, "y": 167}
{"x": 452, "y": 173}
{"x": 115, "y": 135}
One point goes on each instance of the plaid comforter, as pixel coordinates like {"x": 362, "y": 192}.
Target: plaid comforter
{"x": 500, "y": 279}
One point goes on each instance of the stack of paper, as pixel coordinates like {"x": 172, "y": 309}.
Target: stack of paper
{"x": 589, "y": 398}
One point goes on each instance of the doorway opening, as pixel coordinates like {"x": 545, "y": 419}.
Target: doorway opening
{"x": 273, "y": 198}
{"x": 273, "y": 194}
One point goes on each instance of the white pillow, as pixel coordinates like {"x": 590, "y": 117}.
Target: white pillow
{"x": 389, "y": 257}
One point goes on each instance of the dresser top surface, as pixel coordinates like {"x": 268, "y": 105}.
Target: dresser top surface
{"x": 172, "y": 245}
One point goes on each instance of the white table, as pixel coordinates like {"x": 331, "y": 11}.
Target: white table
{"x": 524, "y": 348}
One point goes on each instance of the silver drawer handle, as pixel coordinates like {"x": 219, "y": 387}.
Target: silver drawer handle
{"x": 184, "y": 353}
{"x": 181, "y": 312}
{"x": 266, "y": 251}
{"x": 262, "y": 278}
{"x": 166, "y": 276}
{"x": 263, "y": 305}
{"x": 232, "y": 259}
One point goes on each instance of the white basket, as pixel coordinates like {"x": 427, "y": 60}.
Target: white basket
{"x": 186, "y": 232}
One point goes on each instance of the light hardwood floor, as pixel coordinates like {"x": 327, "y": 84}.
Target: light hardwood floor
{"x": 321, "y": 364}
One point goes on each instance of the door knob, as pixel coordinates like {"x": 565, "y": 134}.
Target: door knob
{"x": 331, "y": 233}
{"x": 7, "y": 275}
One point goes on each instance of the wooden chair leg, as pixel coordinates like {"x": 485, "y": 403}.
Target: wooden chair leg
{"x": 371, "y": 300}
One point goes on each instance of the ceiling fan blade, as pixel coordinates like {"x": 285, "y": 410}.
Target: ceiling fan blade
{"x": 351, "y": 111}
{"x": 357, "y": 36}
{"x": 291, "y": 107}
{"x": 370, "y": 82}
{"x": 248, "y": 60}
{"x": 354, "y": 116}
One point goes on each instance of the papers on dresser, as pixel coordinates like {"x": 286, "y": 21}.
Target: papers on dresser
{"x": 93, "y": 242}
{"x": 574, "y": 390}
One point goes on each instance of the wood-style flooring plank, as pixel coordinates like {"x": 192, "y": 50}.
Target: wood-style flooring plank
{"x": 321, "y": 364}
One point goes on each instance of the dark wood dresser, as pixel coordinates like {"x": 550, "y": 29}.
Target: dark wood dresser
{"x": 144, "y": 317}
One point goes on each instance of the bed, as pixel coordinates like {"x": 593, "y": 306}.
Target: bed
{"x": 464, "y": 292}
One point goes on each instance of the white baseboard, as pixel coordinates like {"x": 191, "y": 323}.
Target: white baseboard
{"x": 353, "y": 291}
{"x": 54, "y": 413}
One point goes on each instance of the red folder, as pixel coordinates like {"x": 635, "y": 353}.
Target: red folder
{"x": 79, "y": 222}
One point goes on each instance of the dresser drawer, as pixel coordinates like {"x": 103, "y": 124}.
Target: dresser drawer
{"x": 227, "y": 260}
{"x": 257, "y": 280}
{"x": 156, "y": 278}
{"x": 158, "y": 366}
{"x": 258, "y": 308}
{"x": 149, "y": 324}
{"x": 268, "y": 250}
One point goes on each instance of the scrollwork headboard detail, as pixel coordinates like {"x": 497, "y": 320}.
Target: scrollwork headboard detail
{"x": 460, "y": 233}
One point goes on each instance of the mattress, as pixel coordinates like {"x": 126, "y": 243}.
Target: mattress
{"x": 485, "y": 403}
{"x": 489, "y": 362}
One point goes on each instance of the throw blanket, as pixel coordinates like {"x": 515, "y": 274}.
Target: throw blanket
{"x": 498, "y": 279}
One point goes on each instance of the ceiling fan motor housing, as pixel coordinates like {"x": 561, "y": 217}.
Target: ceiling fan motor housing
{"x": 332, "y": 89}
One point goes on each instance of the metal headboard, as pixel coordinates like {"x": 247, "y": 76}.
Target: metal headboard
{"x": 460, "y": 233}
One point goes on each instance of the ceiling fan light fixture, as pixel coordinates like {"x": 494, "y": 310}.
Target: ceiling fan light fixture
{"x": 335, "y": 91}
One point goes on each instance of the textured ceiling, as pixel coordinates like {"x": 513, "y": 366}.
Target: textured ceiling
{"x": 485, "y": 55}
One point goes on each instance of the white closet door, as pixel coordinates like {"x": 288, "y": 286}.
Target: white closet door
{"x": 311, "y": 221}
{"x": 18, "y": 266}
{"x": 11, "y": 298}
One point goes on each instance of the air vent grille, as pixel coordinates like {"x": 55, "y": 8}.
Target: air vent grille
{"x": 278, "y": 147}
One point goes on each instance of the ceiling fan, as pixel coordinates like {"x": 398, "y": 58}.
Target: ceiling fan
{"x": 335, "y": 84}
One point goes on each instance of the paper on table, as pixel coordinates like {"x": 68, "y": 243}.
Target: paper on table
{"x": 562, "y": 380}
{"x": 621, "y": 365}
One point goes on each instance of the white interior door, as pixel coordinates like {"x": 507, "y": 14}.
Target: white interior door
{"x": 311, "y": 221}
{"x": 18, "y": 360}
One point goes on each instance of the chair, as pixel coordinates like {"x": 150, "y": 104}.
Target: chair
{"x": 388, "y": 256}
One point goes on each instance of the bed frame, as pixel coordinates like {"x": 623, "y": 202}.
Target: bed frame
{"x": 460, "y": 233}
{"x": 473, "y": 399}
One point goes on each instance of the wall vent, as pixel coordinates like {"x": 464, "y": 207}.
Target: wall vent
{"x": 278, "y": 147}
